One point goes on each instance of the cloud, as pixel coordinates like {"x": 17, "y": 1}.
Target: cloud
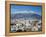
{"x": 25, "y": 11}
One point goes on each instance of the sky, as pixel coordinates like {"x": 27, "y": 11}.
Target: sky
{"x": 25, "y": 9}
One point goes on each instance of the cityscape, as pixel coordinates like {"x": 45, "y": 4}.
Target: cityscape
{"x": 26, "y": 19}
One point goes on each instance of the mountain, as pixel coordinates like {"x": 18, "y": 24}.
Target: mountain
{"x": 25, "y": 16}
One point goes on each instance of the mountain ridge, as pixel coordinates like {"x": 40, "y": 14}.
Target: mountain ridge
{"x": 26, "y": 16}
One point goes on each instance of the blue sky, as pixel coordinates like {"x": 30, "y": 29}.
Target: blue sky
{"x": 26, "y": 9}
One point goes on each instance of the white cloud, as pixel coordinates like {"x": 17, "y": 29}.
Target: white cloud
{"x": 26, "y": 11}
